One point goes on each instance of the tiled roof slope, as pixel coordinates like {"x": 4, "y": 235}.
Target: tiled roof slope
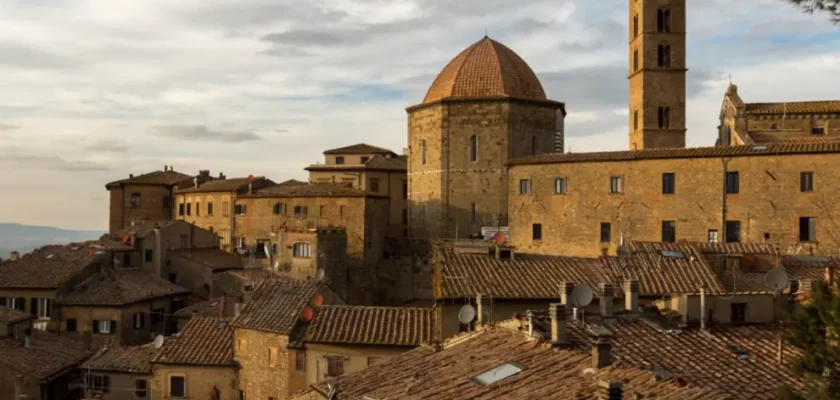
{"x": 118, "y": 287}
{"x": 213, "y": 258}
{"x": 312, "y": 190}
{"x": 228, "y": 185}
{"x": 549, "y": 374}
{"x": 693, "y": 152}
{"x": 50, "y": 266}
{"x": 394, "y": 326}
{"x": 803, "y": 267}
{"x": 735, "y": 248}
{"x": 376, "y": 162}
{"x": 276, "y": 304}
{"x": 486, "y": 69}
{"x": 130, "y": 359}
{"x": 360, "y": 148}
{"x": 528, "y": 276}
{"x": 664, "y": 268}
{"x": 203, "y": 341}
{"x": 144, "y": 227}
{"x": 795, "y": 107}
{"x": 785, "y": 137}
{"x": 292, "y": 182}
{"x": 220, "y": 307}
{"x": 12, "y": 316}
{"x": 163, "y": 178}
{"x": 47, "y": 357}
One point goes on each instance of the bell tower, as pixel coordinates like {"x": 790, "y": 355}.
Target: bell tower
{"x": 657, "y": 69}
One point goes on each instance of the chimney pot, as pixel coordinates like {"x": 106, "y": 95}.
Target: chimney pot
{"x": 485, "y": 309}
{"x": 130, "y": 176}
{"x": 601, "y": 352}
{"x": 566, "y": 293}
{"x": 610, "y": 390}
{"x": 631, "y": 295}
{"x": 14, "y": 256}
{"x": 607, "y": 293}
{"x": 557, "y": 312}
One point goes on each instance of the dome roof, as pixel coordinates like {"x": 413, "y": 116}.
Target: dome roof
{"x": 486, "y": 69}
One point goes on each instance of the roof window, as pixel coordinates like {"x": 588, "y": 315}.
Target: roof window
{"x": 494, "y": 375}
{"x": 673, "y": 254}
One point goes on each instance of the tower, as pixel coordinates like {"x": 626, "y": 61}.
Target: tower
{"x": 485, "y": 107}
{"x": 657, "y": 69}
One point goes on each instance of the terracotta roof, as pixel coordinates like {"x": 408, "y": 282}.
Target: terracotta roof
{"x": 663, "y": 269}
{"x": 119, "y": 287}
{"x": 313, "y": 190}
{"x": 213, "y": 258}
{"x": 130, "y": 359}
{"x": 486, "y": 69}
{"x": 162, "y": 178}
{"x": 795, "y": 107}
{"x": 695, "y": 152}
{"x": 12, "y": 316}
{"x": 804, "y": 267}
{"x": 735, "y": 248}
{"x": 376, "y": 162}
{"x": 48, "y": 356}
{"x": 292, "y": 182}
{"x": 276, "y": 304}
{"x": 548, "y": 373}
{"x": 394, "y": 326}
{"x": 228, "y": 185}
{"x": 361, "y": 148}
{"x": 211, "y": 308}
{"x": 51, "y": 266}
{"x": 253, "y": 274}
{"x": 791, "y": 137}
{"x": 144, "y": 227}
{"x": 203, "y": 341}
{"x": 528, "y": 276}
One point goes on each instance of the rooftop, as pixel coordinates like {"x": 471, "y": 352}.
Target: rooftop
{"x": 130, "y": 359}
{"x": 276, "y": 304}
{"x": 360, "y": 148}
{"x": 143, "y": 228}
{"x": 48, "y": 356}
{"x": 119, "y": 287}
{"x": 12, "y": 316}
{"x": 795, "y": 107}
{"x": 313, "y": 190}
{"x": 203, "y": 341}
{"x": 162, "y": 178}
{"x": 392, "y": 326}
{"x": 228, "y": 185}
{"x": 663, "y": 269}
{"x": 377, "y": 162}
{"x": 51, "y": 266}
{"x": 212, "y": 258}
{"x": 220, "y": 307}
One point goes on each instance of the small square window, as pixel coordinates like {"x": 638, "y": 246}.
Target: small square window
{"x": 733, "y": 184}
{"x": 668, "y": 183}
{"x": 807, "y": 229}
{"x": 279, "y": 209}
{"x": 365, "y": 160}
{"x": 606, "y": 232}
{"x": 300, "y": 211}
{"x": 71, "y": 325}
{"x": 536, "y": 231}
{"x": 339, "y": 160}
{"x": 733, "y": 231}
{"x": 374, "y": 185}
{"x": 177, "y": 386}
{"x": 616, "y": 185}
{"x": 524, "y": 186}
{"x": 713, "y": 235}
{"x": 335, "y": 366}
{"x": 559, "y": 185}
{"x": 818, "y": 130}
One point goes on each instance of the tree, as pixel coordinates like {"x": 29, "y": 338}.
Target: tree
{"x": 832, "y": 7}
{"x": 814, "y": 328}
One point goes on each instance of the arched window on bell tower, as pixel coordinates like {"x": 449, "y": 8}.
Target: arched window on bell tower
{"x": 664, "y": 117}
{"x": 663, "y": 20}
{"x": 663, "y": 58}
{"x": 635, "y": 60}
{"x": 473, "y": 148}
{"x": 636, "y": 25}
{"x": 635, "y": 120}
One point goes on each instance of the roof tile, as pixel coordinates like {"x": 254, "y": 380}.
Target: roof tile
{"x": 130, "y": 359}
{"x": 163, "y": 178}
{"x": 203, "y": 341}
{"x": 395, "y": 326}
{"x": 360, "y": 148}
{"x": 48, "y": 355}
{"x": 118, "y": 287}
{"x": 212, "y": 258}
{"x": 276, "y": 304}
{"x": 50, "y": 266}
{"x": 795, "y": 107}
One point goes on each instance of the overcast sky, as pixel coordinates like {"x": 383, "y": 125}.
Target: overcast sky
{"x": 93, "y": 90}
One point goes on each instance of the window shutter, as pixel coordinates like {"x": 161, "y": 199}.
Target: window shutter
{"x": 33, "y": 306}
{"x": 113, "y": 327}
{"x": 95, "y": 326}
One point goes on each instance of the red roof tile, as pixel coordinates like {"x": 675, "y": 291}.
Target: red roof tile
{"x": 795, "y": 107}
{"x": 203, "y": 341}
{"x": 394, "y": 326}
{"x": 220, "y": 307}
{"x": 212, "y": 258}
{"x": 48, "y": 356}
{"x": 118, "y": 287}
{"x": 361, "y": 148}
{"x": 664, "y": 269}
{"x": 276, "y": 304}
{"x": 51, "y": 266}
{"x": 377, "y": 162}
{"x": 130, "y": 359}
{"x": 791, "y": 137}
{"x": 313, "y": 190}
{"x": 161, "y": 178}
{"x": 228, "y": 185}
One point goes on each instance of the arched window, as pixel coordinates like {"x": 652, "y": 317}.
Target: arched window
{"x": 664, "y": 117}
{"x": 423, "y": 151}
{"x": 635, "y": 60}
{"x": 473, "y": 148}
{"x": 135, "y": 200}
{"x": 302, "y": 250}
{"x": 664, "y": 55}
{"x": 636, "y": 25}
{"x": 663, "y": 20}
{"x": 635, "y": 119}
{"x": 533, "y": 145}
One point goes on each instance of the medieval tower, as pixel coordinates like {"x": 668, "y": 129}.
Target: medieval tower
{"x": 485, "y": 107}
{"x": 657, "y": 69}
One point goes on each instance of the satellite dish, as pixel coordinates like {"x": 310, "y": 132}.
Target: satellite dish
{"x": 499, "y": 238}
{"x": 319, "y": 274}
{"x": 582, "y": 295}
{"x": 318, "y": 300}
{"x": 466, "y": 314}
{"x": 306, "y": 314}
{"x": 623, "y": 251}
{"x": 158, "y": 342}
{"x": 776, "y": 279}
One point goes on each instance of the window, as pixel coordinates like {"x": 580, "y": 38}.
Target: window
{"x": 279, "y": 209}
{"x": 663, "y": 20}
{"x": 302, "y": 250}
{"x": 616, "y": 185}
{"x": 365, "y": 159}
{"x": 733, "y": 231}
{"x": 806, "y": 182}
{"x": 260, "y": 251}
{"x": 135, "y": 200}
{"x": 739, "y": 313}
{"x": 423, "y": 152}
{"x": 405, "y": 190}
{"x": 181, "y": 210}
{"x": 177, "y": 386}
{"x": 240, "y": 209}
{"x": 272, "y": 357}
{"x": 536, "y": 231}
{"x": 139, "y": 320}
{"x": 165, "y": 202}
{"x": 335, "y": 366}
{"x": 99, "y": 383}
{"x": 104, "y": 327}
{"x": 140, "y": 388}
{"x": 189, "y": 208}
{"x": 225, "y": 208}
{"x": 664, "y": 117}
{"x": 197, "y": 208}
{"x": 342, "y": 210}
{"x": 44, "y": 308}
{"x": 635, "y": 119}
{"x": 713, "y": 236}
{"x": 669, "y": 231}
{"x": 18, "y": 303}
{"x": 148, "y": 255}
{"x": 635, "y": 60}
{"x": 559, "y": 185}
{"x": 209, "y": 208}
{"x": 732, "y": 182}
{"x": 807, "y": 229}
{"x": 636, "y": 25}
{"x": 126, "y": 260}
{"x": 374, "y": 185}
{"x": 664, "y": 55}
{"x": 473, "y": 148}
{"x": 668, "y": 183}
{"x": 496, "y": 374}
{"x": 818, "y": 130}
{"x": 473, "y": 215}
{"x": 339, "y": 160}
{"x": 300, "y": 211}
{"x": 70, "y": 325}
{"x": 300, "y": 360}
{"x": 606, "y": 232}
{"x": 524, "y": 186}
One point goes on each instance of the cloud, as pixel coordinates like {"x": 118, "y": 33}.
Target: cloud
{"x": 8, "y": 127}
{"x": 21, "y": 158}
{"x": 108, "y": 147}
{"x": 202, "y": 132}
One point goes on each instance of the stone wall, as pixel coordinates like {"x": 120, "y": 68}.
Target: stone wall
{"x": 151, "y": 205}
{"x": 200, "y": 381}
{"x": 355, "y": 358}
{"x": 219, "y": 222}
{"x": 262, "y": 375}
{"x": 126, "y": 333}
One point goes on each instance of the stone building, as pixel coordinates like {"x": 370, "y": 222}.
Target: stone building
{"x": 656, "y": 73}
{"x": 372, "y": 169}
{"x": 120, "y": 372}
{"x": 198, "y": 267}
{"x": 40, "y": 366}
{"x": 783, "y": 122}
{"x": 484, "y": 108}
{"x": 209, "y": 205}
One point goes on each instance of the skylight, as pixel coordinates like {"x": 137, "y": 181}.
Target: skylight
{"x": 759, "y": 147}
{"x": 494, "y": 375}
{"x": 738, "y": 352}
{"x": 672, "y": 254}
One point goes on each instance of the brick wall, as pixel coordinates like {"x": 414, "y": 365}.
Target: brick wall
{"x": 200, "y": 381}
{"x": 261, "y": 377}
{"x": 219, "y": 222}
{"x": 151, "y": 205}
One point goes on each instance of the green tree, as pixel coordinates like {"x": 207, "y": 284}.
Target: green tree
{"x": 832, "y": 7}
{"x": 814, "y": 328}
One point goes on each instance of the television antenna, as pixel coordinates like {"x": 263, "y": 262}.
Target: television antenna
{"x": 158, "y": 342}
{"x": 466, "y": 314}
{"x": 319, "y": 274}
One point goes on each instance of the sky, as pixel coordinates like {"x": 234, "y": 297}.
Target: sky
{"x": 93, "y": 90}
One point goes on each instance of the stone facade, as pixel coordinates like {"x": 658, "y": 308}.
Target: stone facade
{"x": 155, "y": 204}
{"x": 768, "y": 207}
{"x": 200, "y": 381}
{"x": 126, "y": 332}
{"x": 657, "y": 70}
{"x": 218, "y": 221}
{"x": 264, "y": 358}
{"x": 353, "y": 358}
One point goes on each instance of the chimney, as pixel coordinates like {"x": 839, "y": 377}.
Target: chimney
{"x": 195, "y": 182}
{"x": 601, "y": 351}
{"x": 703, "y": 308}
{"x": 221, "y": 175}
{"x": 557, "y": 312}
{"x": 237, "y": 309}
{"x": 607, "y": 293}
{"x": 829, "y": 274}
{"x": 610, "y": 390}
{"x": 130, "y": 176}
{"x": 566, "y": 294}
{"x": 530, "y": 323}
{"x": 485, "y": 309}
{"x": 631, "y": 295}
{"x": 165, "y": 168}
{"x": 87, "y": 339}
{"x": 27, "y": 338}
{"x": 14, "y": 256}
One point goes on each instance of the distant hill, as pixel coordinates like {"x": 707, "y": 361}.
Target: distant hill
{"x": 25, "y": 238}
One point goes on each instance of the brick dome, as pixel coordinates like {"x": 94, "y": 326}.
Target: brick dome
{"x": 486, "y": 69}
